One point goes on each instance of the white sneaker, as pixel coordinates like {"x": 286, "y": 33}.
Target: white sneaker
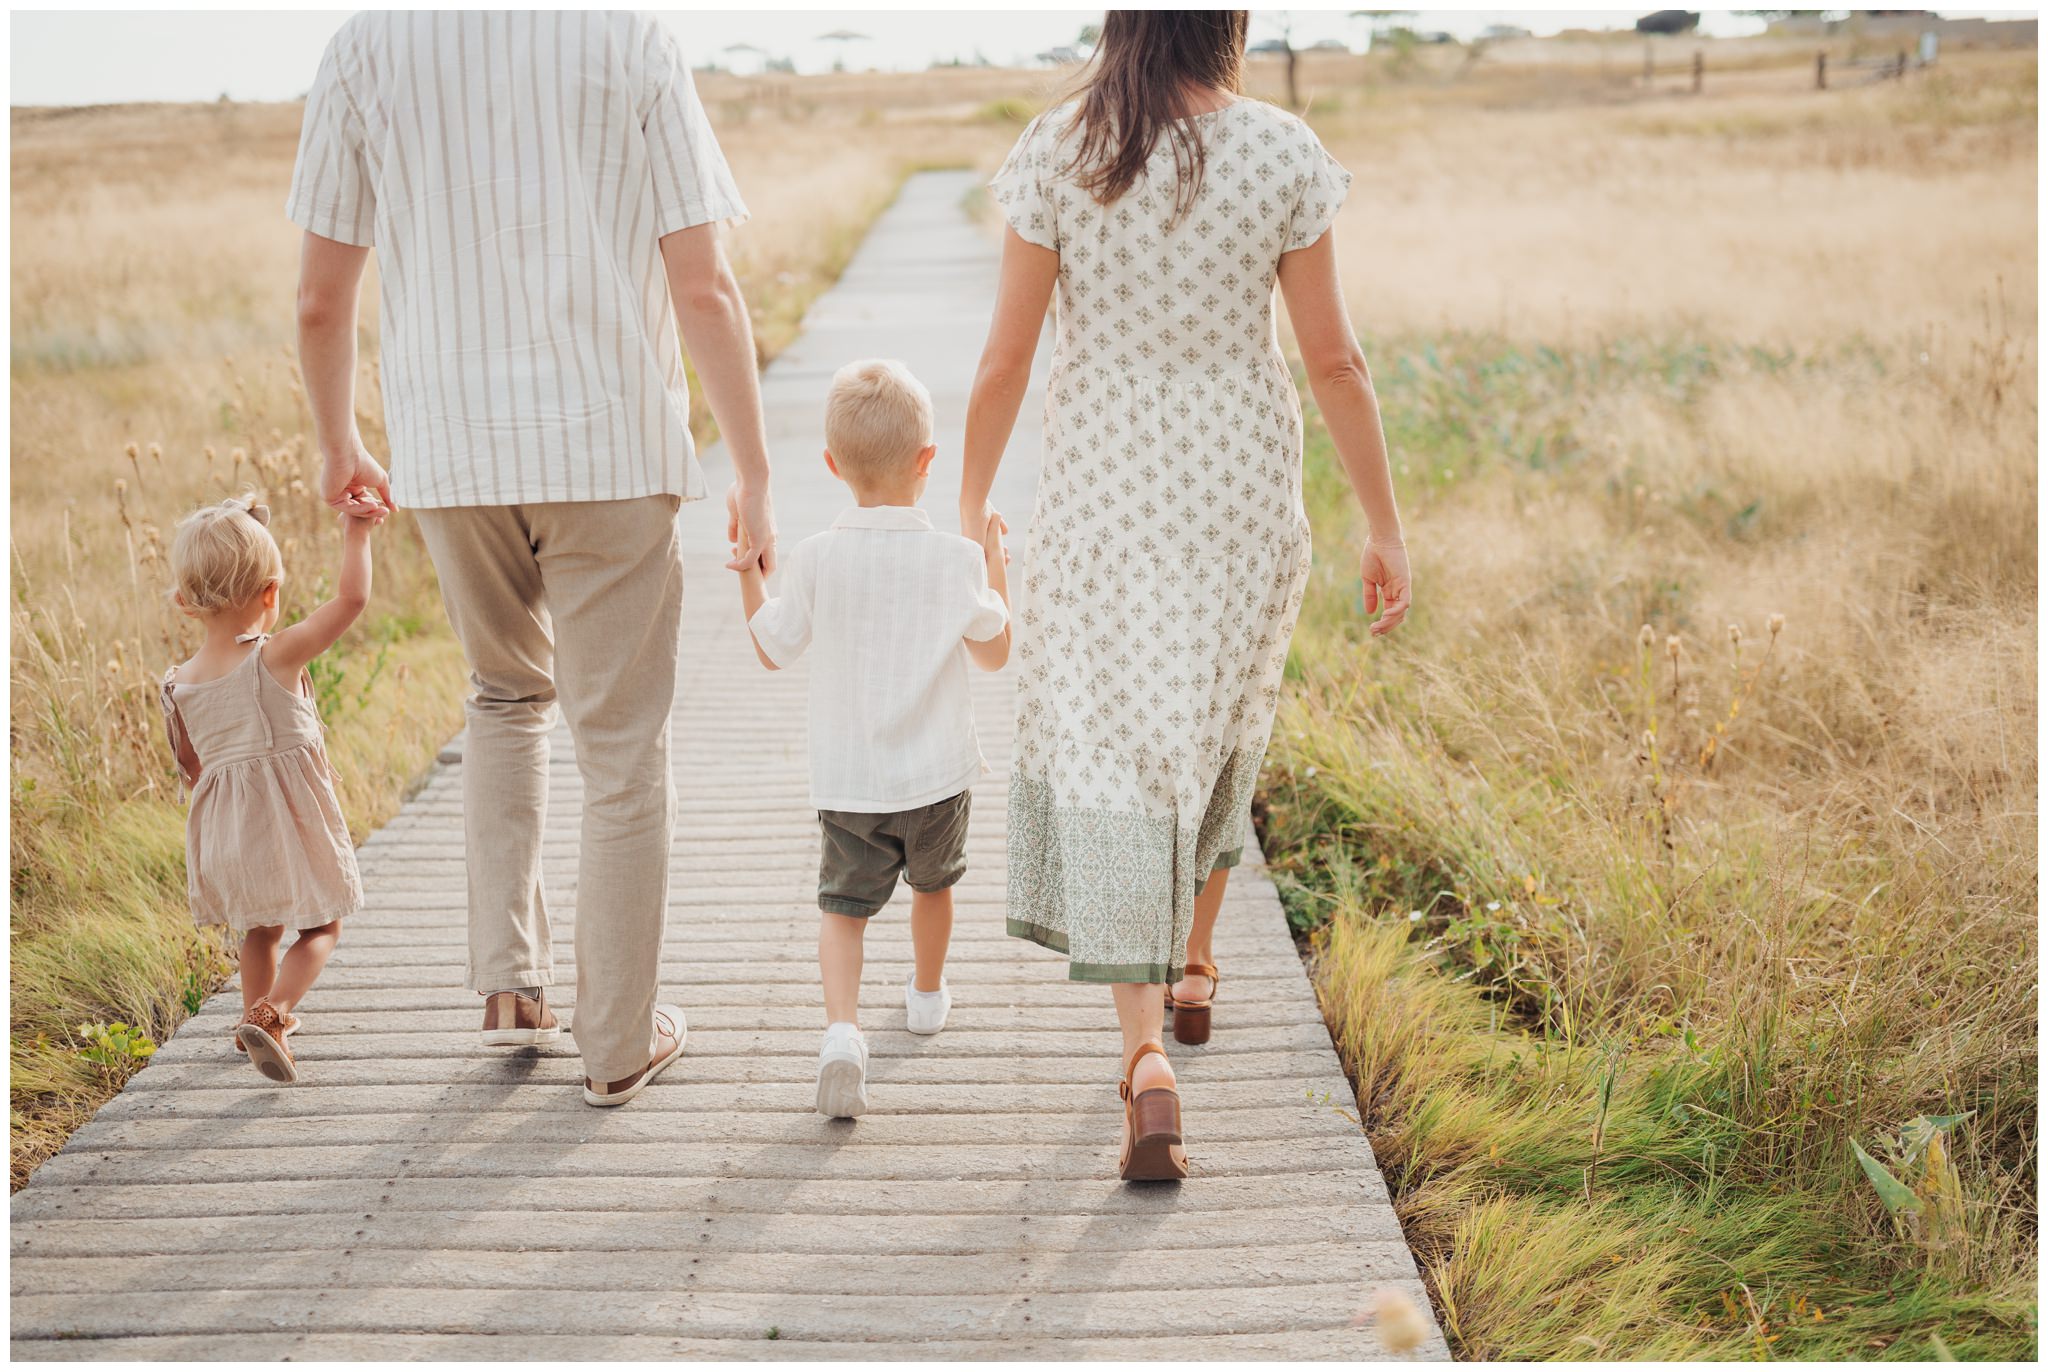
{"x": 924, "y": 1012}
{"x": 843, "y": 1073}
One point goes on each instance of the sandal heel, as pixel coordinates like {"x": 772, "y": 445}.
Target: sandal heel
{"x": 1191, "y": 1024}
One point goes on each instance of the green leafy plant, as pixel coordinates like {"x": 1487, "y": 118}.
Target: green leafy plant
{"x": 114, "y": 1048}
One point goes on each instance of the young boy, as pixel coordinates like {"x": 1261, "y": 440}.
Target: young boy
{"x": 891, "y": 610}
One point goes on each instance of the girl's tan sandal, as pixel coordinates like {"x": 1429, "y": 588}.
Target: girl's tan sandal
{"x": 261, "y": 1034}
{"x": 1191, "y": 1017}
{"x": 291, "y": 1026}
{"x": 1152, "y": 1149}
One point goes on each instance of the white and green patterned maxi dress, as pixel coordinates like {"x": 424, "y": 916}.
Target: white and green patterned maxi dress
{"x": 1169, "y": 550}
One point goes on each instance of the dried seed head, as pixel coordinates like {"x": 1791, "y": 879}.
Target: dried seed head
{"x": 134, "y": 451}
{"x": 1777, "y": 625}
{"x": 1649, "y": 740}
{"x": 1735, "y": 634}
{"x": 1647, "y": 636}
{"x": 1671, "y": 645}
{"x": 1402, "y": 1327}
{"x": 121, "y": 488}
{"x": 156, "y": 453}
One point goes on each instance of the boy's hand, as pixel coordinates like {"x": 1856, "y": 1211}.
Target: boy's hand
{"x": 992, "y": 540}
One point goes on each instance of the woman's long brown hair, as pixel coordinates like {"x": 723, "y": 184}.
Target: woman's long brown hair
{"x": 1135, "y": 90}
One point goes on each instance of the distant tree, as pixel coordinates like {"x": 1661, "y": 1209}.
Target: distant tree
{"x": 1282, "y": 22}
{"x": 1090, "y": 36}
{"x": 1669, "y": 21}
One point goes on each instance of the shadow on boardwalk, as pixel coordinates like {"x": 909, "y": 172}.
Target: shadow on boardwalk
{"x": 421, "y": 1196}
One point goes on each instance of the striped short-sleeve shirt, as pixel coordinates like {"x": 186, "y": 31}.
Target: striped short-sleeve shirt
{"x": 514, "y": 172}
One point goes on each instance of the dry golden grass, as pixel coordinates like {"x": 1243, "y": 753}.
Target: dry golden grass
{"x": 1685, "y": 928}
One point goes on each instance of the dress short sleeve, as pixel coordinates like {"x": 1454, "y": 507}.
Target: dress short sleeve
{"x": 1321, "y": 194}
{"x": 692, "y": 183}
{"x": 782, "y": 626}
{"x": 333, "y": 193}
{"x": 1021, "y": 191}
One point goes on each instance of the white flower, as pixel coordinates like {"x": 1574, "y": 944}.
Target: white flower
{"x": 1493, "y": 905}
{"x": 1415, "y": 916}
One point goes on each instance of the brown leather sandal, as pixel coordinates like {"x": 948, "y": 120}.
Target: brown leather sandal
{"x": 1191, "y": 1017}
{"x": 1152, "y": 1143}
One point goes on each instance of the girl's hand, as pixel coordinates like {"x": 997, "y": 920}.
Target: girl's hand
{"x": 1386, "y": 590}
{"x": 370, "y": 512}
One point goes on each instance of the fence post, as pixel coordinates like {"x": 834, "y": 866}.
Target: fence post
{"x": 1820, "y": 70}
{"x": 1649, "y": 64}
{"x": 1900, "y": 74}
{"x": 1699, "y": 71}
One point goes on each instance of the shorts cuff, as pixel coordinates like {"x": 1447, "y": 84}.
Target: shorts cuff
{"x": 853, "y": 909}
{"x": 946, "y": 883}
{"x": 1229, "y": 859}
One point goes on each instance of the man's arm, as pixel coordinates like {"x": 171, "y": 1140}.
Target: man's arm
{"x": 330, "y": 289}
{"x": 712, "y": 316}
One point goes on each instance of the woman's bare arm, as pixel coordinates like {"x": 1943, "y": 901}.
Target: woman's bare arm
{"x": 1004, "y": 374}
{"x": 1342, "y": 386}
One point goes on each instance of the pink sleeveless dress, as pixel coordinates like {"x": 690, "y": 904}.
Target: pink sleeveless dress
{"x": 265, "y": 841}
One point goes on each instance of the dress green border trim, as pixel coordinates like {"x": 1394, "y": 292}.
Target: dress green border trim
{"x": 1155, "y": 973}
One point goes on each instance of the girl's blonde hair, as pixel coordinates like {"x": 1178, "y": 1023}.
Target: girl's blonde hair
{"x": 222, "y": 556}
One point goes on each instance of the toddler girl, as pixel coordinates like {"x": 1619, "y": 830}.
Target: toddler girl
{"x": 266, "y": 848}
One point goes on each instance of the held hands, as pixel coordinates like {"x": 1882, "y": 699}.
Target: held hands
{"x": 982, "y": 524}
{"x": 354, "y": 483}
{"x": 1385, "y": 589}
{"x": 750, "y": 528}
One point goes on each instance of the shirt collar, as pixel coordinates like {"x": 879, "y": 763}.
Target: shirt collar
{"x": 900, "y": 517}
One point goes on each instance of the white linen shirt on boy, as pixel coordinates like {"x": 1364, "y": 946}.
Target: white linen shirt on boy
{"x": 885, "y": 603}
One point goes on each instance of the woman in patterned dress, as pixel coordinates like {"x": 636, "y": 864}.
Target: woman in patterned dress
{"x": 1169, "y": 549}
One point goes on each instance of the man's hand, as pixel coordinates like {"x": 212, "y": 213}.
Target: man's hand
{"x": 355, "y": 484}
{"x": 750, "y": 527}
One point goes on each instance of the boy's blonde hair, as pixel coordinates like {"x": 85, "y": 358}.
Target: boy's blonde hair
{"x": 877, "y": 418}
{"x": 222, "y": 556}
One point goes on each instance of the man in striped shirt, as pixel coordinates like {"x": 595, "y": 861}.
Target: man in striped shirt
{"x": 544, "y": 194}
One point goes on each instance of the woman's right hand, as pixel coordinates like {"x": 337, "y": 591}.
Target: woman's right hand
{"x": 1383, "y": 572}
{"x": 974, "y": 520}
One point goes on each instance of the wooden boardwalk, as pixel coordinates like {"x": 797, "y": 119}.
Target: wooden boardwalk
{"x": 420, "y": 1196}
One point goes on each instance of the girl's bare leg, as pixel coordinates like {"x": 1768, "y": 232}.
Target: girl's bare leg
{"x": 839, "y": 964}
{"x": 259, "y": 963}
{"x": 301, "y": 967}
{"x": 1201, "y": 938}
{"x": 931, "y": 931}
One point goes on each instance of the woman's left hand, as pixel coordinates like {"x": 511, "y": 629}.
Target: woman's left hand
{"x": 1384, "y": 574}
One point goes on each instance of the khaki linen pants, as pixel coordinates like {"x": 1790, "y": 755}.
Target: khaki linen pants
{"x": 583, "y": 600}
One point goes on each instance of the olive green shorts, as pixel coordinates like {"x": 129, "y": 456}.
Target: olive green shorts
{"x": 863, "y": 854}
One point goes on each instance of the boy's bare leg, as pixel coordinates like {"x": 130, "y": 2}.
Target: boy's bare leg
{"x": 931, "y": 931}
{"x": 259, "y": 963}
{"x": 839, "y": 964}
{"x": 302, "y": 963}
